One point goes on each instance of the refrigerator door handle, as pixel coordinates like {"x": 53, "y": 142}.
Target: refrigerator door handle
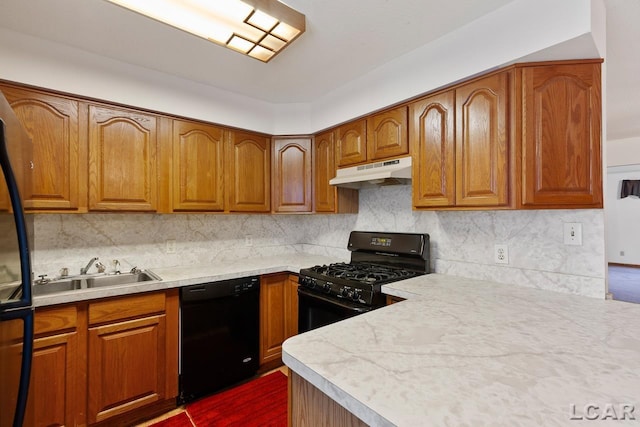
{"x": 25, "y": 371}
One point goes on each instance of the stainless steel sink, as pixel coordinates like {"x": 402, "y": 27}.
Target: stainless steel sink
{"x": 89, "y": 281}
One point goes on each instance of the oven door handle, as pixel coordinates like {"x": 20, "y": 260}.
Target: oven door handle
{"x": 334, "y": 301}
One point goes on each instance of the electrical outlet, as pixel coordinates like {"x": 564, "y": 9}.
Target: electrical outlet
{"x": 500, "y": 253}
{"x": 170, "y": 246}
{"x": 248, "y": 240}
{"x": 572, "y": 233}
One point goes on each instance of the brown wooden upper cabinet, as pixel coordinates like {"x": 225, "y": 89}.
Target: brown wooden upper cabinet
{"x": 58, "y": 175}
{"x": 380, "y": 136}
{"x": 461, "y": 144}
{"x": 327, "y": 198}
{"x": 483, "y": 141}
{"x": 248, "y": 171}
{"x": 387, "y": 134}
{"x": 198, "y": 167}
{"x": 351, "y": 143}
{"x": 432, "y": 131}
{"x": 291, "y": 174}
{"x": 561, "y": 135}
{"x": 122, "y": 160}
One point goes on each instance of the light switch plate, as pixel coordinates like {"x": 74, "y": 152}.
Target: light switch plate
{"x": 572, "y": 233}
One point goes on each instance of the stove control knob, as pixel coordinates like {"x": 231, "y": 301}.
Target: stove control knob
{"x": 305, "y": 281}
{"x": 326, "y": 287}
{"x": 312, "y": 283}
{"x": 344, "y": 292}
{"x": 356, "y": 295}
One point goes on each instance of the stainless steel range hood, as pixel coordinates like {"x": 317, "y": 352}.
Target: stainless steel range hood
{"x": 389, "y": 172}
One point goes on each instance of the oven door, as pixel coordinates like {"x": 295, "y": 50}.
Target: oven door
{"x": 316, "y": 310}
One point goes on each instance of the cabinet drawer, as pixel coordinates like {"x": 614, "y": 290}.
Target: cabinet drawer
{"x": 55, "y": 319}
{"x": 126, "y": 307}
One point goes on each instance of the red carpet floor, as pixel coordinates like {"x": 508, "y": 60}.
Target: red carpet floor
{"x": 260, "y": 402}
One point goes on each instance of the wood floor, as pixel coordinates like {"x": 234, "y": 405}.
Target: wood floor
{"x": 176, "y": 411}
{"x": 624, "y": 283}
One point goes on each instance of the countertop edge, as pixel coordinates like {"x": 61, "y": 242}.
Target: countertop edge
{"x": 344, "y": 399}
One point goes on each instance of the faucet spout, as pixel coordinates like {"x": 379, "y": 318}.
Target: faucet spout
{"x": 85, "y": 269}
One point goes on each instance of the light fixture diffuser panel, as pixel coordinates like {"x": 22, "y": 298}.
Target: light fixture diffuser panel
{"x": 257, "y": 28}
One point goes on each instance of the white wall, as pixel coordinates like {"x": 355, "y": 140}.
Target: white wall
{"x": 623, "y": 151}
{"x": 622, "y": 226}
{"x": 623, "y": 217}
{"x": 507, "y": 35}
{"x": 51, "y": 65}
{"x": 518, "y": 30}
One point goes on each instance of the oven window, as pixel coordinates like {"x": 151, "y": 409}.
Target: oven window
{"x": 315, "y": 311}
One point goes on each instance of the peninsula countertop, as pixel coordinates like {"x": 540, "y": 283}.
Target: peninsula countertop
{"x": 467, "y": 352}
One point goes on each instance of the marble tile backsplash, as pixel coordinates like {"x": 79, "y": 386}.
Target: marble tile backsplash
{"x": 461, "y": 241}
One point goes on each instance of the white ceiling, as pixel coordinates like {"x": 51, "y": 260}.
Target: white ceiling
{"x": 344, "y": 40}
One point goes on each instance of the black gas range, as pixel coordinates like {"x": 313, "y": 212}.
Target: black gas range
{"x": 328, "y": 293}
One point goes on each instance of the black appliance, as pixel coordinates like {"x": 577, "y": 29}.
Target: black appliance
{"x": 219, "y": 335}
{"x": 16, "y": 309}
{"x": 329, "y": 293}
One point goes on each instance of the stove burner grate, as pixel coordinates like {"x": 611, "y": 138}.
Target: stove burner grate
{"x": 363, "y": 272}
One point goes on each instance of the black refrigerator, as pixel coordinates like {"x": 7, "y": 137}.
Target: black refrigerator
{"x": 16, "y": 308}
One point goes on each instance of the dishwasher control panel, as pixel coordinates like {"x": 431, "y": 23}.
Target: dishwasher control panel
{"x": 219, "y": 289}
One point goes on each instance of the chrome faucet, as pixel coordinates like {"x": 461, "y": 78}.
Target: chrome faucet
{"x": 84, "y": 270}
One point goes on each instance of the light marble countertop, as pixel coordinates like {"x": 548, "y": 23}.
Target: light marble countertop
{"x": 173, "y": 277}
{"x": 464, "y": 352}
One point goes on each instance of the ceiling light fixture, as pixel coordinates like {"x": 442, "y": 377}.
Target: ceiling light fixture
{"x": 258, "y": 28}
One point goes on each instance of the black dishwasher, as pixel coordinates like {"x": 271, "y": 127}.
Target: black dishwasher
{"x": 219, "y": 333}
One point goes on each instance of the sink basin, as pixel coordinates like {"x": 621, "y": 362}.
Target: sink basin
{"x": 88, "y": 282}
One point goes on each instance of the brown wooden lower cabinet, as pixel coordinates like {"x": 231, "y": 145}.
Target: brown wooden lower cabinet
{"x": 55, "y": 394}
{"x": 126, "y": 366}
{"x": 392, "y": 300}
{"x": 104, "y": 361}
{"x": 308, "y": 406}
{"x": 278, "y": 315}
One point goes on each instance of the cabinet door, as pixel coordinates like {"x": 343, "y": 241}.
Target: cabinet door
{"x": 126, "y": 366}
{"x": 53, "y": 388}
{"x": 432, "y": 136}
{"x": 55, "y": 392}
{"x": 122, "y": 160}
{"x": 52, "y": 124}
{"x": 249, "y": 171}
{"x": 482, "y": 141}
{"x": 291, "y": 307}
{"x": 324, "y": 169}
{"x": 273, "y": 330}
{"x": 198, "y": 174}
{"x": 292, "y": 175}
{"x": 351, "y": 143}
{"x": 387, "y": 134}
{"x": 561, "y": 151}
